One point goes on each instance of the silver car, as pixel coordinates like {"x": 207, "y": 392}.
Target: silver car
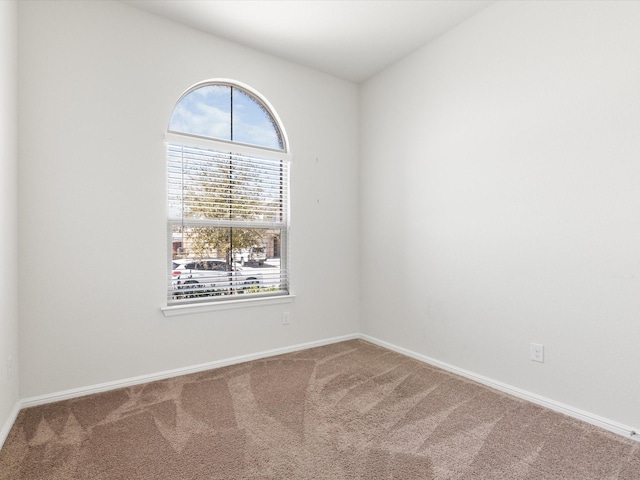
{"x": 208, "y": 277}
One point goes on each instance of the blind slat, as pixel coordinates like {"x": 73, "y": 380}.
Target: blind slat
{"x": 224, "y": 206}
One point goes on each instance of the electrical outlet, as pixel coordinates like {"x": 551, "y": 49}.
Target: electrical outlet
{"x": 9, "y": 367}
{"x": 286, "y": 318}
{"x": 537, "y": 352}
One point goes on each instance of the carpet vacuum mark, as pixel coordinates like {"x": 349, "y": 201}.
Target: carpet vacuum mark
{"x": 350, "y": 410}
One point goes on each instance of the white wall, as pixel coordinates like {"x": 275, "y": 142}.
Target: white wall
{"x": 8, "y": 211}
{"x": 98, "y": 82}
{"x": 498, "y": 190}
{"x": 501, "y": 201}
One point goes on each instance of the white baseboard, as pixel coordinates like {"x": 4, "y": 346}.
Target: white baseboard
{"x": 6, "y": 428}
{"x": 587, "y": 417}
{"x": 610, "y": 425}
{"x": 127, "y": 382}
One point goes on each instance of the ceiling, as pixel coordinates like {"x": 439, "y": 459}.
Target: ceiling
{"x": 350, "y": 39}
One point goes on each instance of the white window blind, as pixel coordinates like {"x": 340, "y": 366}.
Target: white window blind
{"x": 228, "y": 212}
{"x": 227, "y": 197}
{"x": 226, "y": 189}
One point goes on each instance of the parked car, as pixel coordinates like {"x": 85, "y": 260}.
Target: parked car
{"x": 255, "y": 255}
{"x": 209, "y": 276}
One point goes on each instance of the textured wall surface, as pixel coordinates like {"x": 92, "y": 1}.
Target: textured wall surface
{"x": 500, "y": 180}
{"x": 8, "y": 210}
{"x": 98, "y": 82}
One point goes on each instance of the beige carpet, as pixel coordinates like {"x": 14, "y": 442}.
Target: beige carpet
{"x": 350, "y": 410}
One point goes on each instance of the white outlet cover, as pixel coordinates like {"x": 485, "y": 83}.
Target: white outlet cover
{"x": 537, "y": 352}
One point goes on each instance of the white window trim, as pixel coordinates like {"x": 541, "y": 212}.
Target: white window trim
{"x": 187, "y": 139}
{"x": 171, "y": 310}
{"x": 216, "y": 144}
{"x": 191, "y": 308}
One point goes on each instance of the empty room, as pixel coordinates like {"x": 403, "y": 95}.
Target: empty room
{"x": 319, "y": 239}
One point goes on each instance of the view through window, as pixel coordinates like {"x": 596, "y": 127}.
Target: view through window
{"x": 228, "y": 197}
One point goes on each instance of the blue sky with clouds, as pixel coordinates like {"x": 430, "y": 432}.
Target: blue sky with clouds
{"x": 207, "y": 112}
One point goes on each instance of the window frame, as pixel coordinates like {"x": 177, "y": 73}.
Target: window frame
{"x": 235, "y": 148}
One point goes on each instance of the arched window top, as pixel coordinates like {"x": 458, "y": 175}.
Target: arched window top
{"x": 224, "y": 110}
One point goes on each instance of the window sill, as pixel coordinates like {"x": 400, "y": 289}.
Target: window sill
{"x": 177, "y": 310}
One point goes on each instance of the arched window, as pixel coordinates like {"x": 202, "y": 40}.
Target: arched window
{"x": 228, "y": 196}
